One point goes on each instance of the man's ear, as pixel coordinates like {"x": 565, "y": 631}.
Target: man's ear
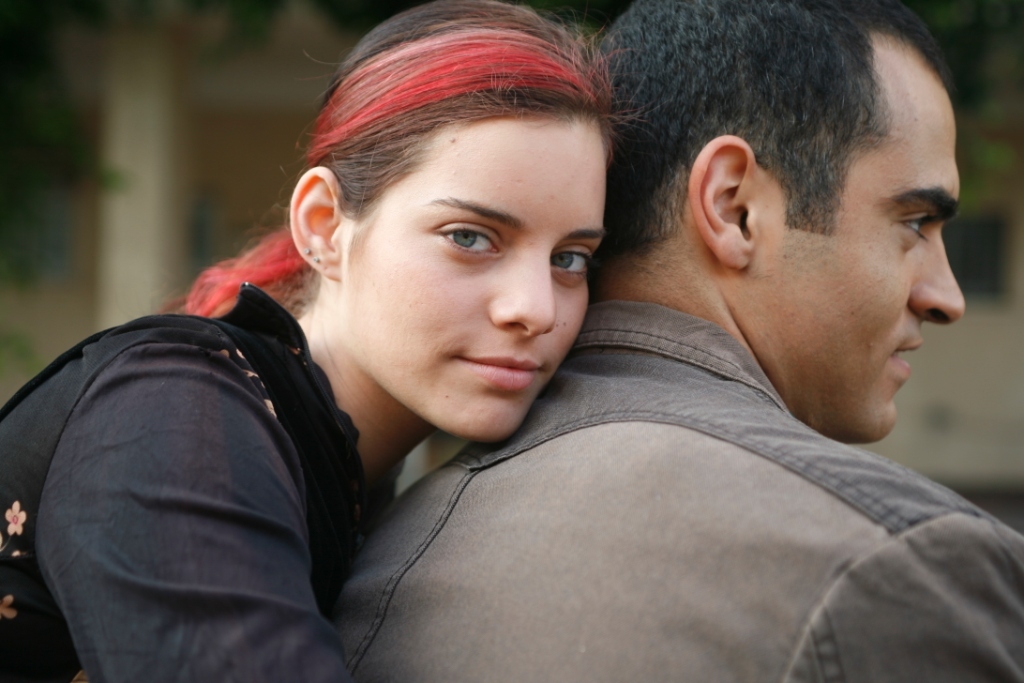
{"x": 315, "y": 217}
{"x": 720, "y": 183}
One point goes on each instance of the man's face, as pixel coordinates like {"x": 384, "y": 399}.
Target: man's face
{"x": 836, "y": 313}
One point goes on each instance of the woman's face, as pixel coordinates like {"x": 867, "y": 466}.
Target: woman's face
{"x": 460, "y": 292}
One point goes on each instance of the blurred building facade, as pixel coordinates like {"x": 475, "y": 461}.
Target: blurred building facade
{"x": 199, "y": 146}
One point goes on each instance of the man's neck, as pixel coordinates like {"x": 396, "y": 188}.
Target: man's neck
{"x": 683, "y": 287}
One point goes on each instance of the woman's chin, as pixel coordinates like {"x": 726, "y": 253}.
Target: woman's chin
{"x": 494, "y": 428}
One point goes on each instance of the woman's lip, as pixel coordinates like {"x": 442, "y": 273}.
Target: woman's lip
{"x": 505, "y": 362}
{"x": 506, "y": 374}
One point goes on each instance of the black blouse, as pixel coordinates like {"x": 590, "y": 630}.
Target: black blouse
{"x": 172, "y": 533}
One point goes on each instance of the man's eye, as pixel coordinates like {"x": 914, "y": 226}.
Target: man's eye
{"x": 572, "y": 261}
{"x": 470, "y": 239}
{"x": 917, "y": 224}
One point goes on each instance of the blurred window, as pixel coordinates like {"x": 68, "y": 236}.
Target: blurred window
{"x": 202, "y": 229}
{"x": 54, "y": 246}
{"x": 976, "y": 246}
{"x": 40, "y": 245}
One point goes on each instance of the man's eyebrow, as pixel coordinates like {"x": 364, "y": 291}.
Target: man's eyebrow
{"x": 941, "y": 204}
{"x": 498, "y": 215}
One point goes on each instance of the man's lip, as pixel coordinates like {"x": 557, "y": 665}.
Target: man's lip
{"x": 900, "y": 362}
{"x": 910, "y": 346}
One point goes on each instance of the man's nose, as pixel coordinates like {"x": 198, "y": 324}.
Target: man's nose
{"x": 936, "y": 297}
{"x": 525, "y": 300}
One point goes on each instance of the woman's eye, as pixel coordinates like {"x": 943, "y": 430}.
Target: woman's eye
{"x": 572, "y": 261}
{"x": 470, "y": 239}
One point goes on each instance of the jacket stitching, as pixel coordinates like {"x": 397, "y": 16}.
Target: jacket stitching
{"x": 742, "y": 375}
{"x": 821, "y": 606}
{"x": 638, "y": 333}
{"x": 392, "y": 584}
{"x": 827, "y": 649}
{"x": 870, "y": 505}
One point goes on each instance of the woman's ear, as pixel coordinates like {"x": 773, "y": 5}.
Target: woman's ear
{"x": 720, "y": 188}
{"x": 316, "y": 218}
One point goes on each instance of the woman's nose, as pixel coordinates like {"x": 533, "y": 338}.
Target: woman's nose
{"x": 525, "y": 301}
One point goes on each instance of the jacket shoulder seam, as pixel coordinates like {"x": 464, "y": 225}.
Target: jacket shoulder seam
{"x": 391, "y": 586}
{"x": 866, "y": 503}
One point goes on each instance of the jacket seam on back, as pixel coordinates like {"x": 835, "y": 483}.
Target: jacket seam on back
{"x": 867, "y": 504}
{"x": 804, "y": 638}
{"x": 391, "y": 586}
{"x": 837, "y": 675}
{"x": 820, "y": 607}
{"x": 1000, "y": 533}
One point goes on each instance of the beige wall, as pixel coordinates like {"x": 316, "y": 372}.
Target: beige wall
{"x": 247, "y": 161}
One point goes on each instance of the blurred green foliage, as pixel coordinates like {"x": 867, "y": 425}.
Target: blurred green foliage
{"x": 983, "y": 41}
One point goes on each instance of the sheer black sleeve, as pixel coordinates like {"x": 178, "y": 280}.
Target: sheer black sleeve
{"x": 172, "y": 528}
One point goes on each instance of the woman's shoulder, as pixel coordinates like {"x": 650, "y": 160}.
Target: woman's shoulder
{"x": 182, "y": 333}
{"x": 74, "y": 370}
{"x": 184, "y": 359}
{"x": 140, "y": 343}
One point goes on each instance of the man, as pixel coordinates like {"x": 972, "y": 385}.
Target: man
{"x": 678, "y": 505}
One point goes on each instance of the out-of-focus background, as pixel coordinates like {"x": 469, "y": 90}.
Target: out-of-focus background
{"x": 141, "y": 140}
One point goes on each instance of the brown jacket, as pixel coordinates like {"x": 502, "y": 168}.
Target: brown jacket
{"x": 661, "y": 516}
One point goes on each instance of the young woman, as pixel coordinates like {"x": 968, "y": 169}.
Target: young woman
{"x": 184, "y": 494}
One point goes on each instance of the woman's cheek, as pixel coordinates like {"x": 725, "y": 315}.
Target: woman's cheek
{"x": 570, "y": 321}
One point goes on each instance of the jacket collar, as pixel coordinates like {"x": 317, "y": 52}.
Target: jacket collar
{"x": 657, "y": 330}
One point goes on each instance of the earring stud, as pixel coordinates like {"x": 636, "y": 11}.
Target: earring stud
{"x": 316, "y": 259}
{"x": 307, "y": 251}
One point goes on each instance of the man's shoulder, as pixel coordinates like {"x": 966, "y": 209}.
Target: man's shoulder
{"x": 654, "y": 517}
{"x": 630, "y": 394}
{"x": 657, "y": 540}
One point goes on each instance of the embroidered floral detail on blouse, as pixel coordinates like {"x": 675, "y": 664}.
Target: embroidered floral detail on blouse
{"x": 6, "y": 611}
{"x": 15, "y": 519}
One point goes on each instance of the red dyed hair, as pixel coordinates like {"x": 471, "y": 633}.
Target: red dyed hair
{"x": 438, "y": 64}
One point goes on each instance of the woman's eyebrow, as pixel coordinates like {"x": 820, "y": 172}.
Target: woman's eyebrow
{"x": 508, "y": 219}
{"x": 937, "y": 201}
{"x": 587, "y": 234}
{"x": 482, "y": 211}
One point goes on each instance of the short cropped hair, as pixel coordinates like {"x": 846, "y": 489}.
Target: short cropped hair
{"x": 794, "y": 78}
